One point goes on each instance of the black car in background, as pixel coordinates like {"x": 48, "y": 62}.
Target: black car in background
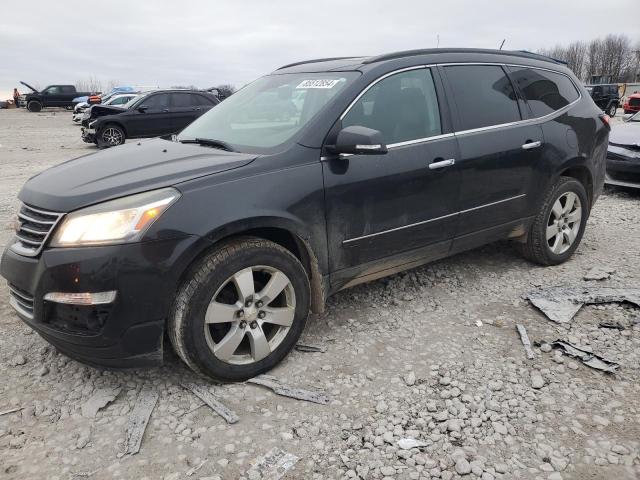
{"x": 161, "y": 112}
{"x": 606, "y": 97}
{"x": 320, "y": 176}
{"x": 623, "y": 154}
{"x": 52, "y": 96}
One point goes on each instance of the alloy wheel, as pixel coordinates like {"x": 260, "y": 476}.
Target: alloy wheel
{"x": 250, "y": 314}
{"x": 564, "y": 221}
{"x": 112, "y": 136}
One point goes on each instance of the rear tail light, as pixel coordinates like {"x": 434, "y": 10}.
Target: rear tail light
{"x": 606, "y": 119}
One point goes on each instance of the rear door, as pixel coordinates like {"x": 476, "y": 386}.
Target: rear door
{"x": 393, "y": 210}
{"x": 154, "y": 121}
{"x": 498, "y": 152}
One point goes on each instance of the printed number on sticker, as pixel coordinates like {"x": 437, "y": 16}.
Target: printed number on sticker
{"x": 324, "y": 83}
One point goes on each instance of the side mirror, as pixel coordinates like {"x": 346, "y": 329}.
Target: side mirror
{"x": 357, "y": 140}
{"x": 143, "y": 108}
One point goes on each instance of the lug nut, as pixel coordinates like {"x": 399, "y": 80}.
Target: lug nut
{"x": 240, "y": 313}
{"x": 261, "y": 314}
{"x": 243, "y": 324}
{"x": 259, "y": 304}
{"x": 254, "y": 324}
{"x": 247, "y": 303}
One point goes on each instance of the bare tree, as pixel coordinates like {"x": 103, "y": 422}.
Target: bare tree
{"x": 91, "y": 84}
{"x": 225, "y": 90}
{"x": 611, "y": 56}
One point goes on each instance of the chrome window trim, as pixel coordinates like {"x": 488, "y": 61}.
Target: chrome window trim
{"x": 423, "y": 222}
{"x": 527, "y": 121}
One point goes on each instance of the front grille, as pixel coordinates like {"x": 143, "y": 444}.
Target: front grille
{"x": 33, "y": 230}
{"x": 21, "y": 301}
{"x": 634, "y": 102}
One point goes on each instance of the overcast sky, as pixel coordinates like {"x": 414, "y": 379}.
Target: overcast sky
{"x": 206, "y": 43}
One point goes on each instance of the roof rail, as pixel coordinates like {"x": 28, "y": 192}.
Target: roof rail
{"x": 426, "y": 51}
{"x": 317, "y": 60}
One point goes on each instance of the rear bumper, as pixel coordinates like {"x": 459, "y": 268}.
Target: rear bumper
{"x": 128, "y": 333}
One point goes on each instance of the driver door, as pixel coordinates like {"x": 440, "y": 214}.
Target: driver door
{"x": 387, "y": 212}
{"x": 154, "y": 118}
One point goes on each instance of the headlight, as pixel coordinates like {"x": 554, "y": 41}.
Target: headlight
{"x": 116, "y": 221}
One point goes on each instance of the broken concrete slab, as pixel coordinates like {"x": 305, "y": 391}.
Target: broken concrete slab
{"x": 212, "y": 401}
{"x": 273, "y": 465}
{"x": 590, "y": 359}
{"x": 599, "y": 273}
{"x": 560, "y": 304}
{"x": 287, "y": 391}
{"x": 139, "y": 418}
{"x": 100, "y": 399}
{"x": 525, "y": 341}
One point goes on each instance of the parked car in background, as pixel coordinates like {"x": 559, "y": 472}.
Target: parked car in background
{"x": 116, "y": 100}
{"x": 632, "y": 103}
{"x": 52, "y": 96}
{"x": 623, "y": 154}
{"x": 227, "y": 234}
{"x": 606, "y": 97}
{"x": 157, "y": 113}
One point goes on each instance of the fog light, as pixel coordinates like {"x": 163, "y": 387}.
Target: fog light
{"x": 97, "y": 298}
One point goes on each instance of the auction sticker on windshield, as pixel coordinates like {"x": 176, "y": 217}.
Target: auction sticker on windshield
{"x": 321, "y": 83}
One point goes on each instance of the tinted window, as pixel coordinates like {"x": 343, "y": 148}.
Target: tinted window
{"x": 53, "y": 90}
{"x": 546, "y": 91}
{"x": 181, "y": 100}
{"x": 156, "y": 102}
{"x": 197, "y": 100}
{"x": 402, "y": 107}
{"x": 484, "y": 95}
{"x": 68, "y": 89}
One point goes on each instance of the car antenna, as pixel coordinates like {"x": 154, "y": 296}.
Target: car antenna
{"x": 503, "y": 40}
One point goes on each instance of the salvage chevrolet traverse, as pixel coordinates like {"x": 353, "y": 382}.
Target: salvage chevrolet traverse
{"x": 319, "y": 176}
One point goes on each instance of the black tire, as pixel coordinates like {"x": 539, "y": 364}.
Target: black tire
{"x": 110, "y": 135}
{"x": 34, "y": 106}
{"x": 611, "y": 111}
{"x": 186, "y": 323}
{"x": 536, "y": 246}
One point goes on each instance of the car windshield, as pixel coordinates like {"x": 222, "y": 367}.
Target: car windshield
{"x": 635, "y": 117}
{"x": 269, "y": 111}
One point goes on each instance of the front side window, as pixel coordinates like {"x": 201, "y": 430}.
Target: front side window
{"x": 52, "y": 90}
{"x": 545, "y": 91}
{"x": 269, "y": 111}
{"x": 156, "y": 102}
{"x": 402, "y": 107}
{"x": 484, "y": 95}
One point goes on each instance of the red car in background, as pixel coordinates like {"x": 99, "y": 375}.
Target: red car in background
{"x": 632, "y": 103}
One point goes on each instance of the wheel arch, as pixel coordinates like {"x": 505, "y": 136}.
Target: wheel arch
{"x": 113, "y": 121}
{"x": 580, "y": 172}
{"x": 283, "y": 232}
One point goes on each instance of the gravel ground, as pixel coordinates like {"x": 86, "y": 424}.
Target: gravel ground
{"x": 431, "y": 354}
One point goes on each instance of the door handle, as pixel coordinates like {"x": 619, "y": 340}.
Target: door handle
{"x": 531, "y": 145}
{"x": 442, "y": 164}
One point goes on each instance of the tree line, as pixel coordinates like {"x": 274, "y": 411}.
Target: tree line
{"x": 614, "y": 55}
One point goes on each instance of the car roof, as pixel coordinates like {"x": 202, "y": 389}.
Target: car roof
{"x": 426, "y": 56}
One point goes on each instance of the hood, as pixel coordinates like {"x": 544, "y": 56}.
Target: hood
{"x": 626, "y": 134}
{"x": 29, "y": 86}
{"x": 130, "y": 168}
{"x": 99, "y": 110}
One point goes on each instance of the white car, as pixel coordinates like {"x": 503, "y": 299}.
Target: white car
{"x": 119, "y": 100}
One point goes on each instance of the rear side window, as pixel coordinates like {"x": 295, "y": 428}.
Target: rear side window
{"x": 545, "y": 91}
{"x": 484, "y": 95}
{"x": 402, "y": 107}
{"x": 181, "y": 100}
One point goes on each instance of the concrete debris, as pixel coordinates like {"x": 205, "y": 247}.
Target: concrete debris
{"x": 560, "y": 304}
{"x": 525, "y": 341}
{"x": 193, "y": 470}
{"x": 612, "y": 325}
{"x": 211, "y": 400}
{"x": 590, "y": 359}
{"x": 272, "y": 466}
{"x": 13, "y": 410}
{"x": 599, "y": 273}
{"x": 409, "y": 443}
{"x": 100, "y": 399}
{"x": 301, "y": 347}
{"x": 139, "y": 418}
{"x": 287, "y": 391}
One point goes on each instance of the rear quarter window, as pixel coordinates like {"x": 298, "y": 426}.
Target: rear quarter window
{"x": 544, "y": 91}
{"x": 484, "y": 95}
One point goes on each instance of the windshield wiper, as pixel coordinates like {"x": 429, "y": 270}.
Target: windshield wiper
{"x": 211, "y": 142}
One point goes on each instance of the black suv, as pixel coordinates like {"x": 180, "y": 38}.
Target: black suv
{"x": 606, "y": 97}
{"x": 161, "y": 112}
{"x": 320, "y": 176}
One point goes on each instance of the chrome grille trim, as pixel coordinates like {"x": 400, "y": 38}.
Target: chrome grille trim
{"x": 35, "y": 227}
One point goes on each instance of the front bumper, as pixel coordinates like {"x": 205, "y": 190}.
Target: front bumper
{"x": 623, "y": 170}
{"x": 88, "y": 135}
{"x": 127, "y": 333}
